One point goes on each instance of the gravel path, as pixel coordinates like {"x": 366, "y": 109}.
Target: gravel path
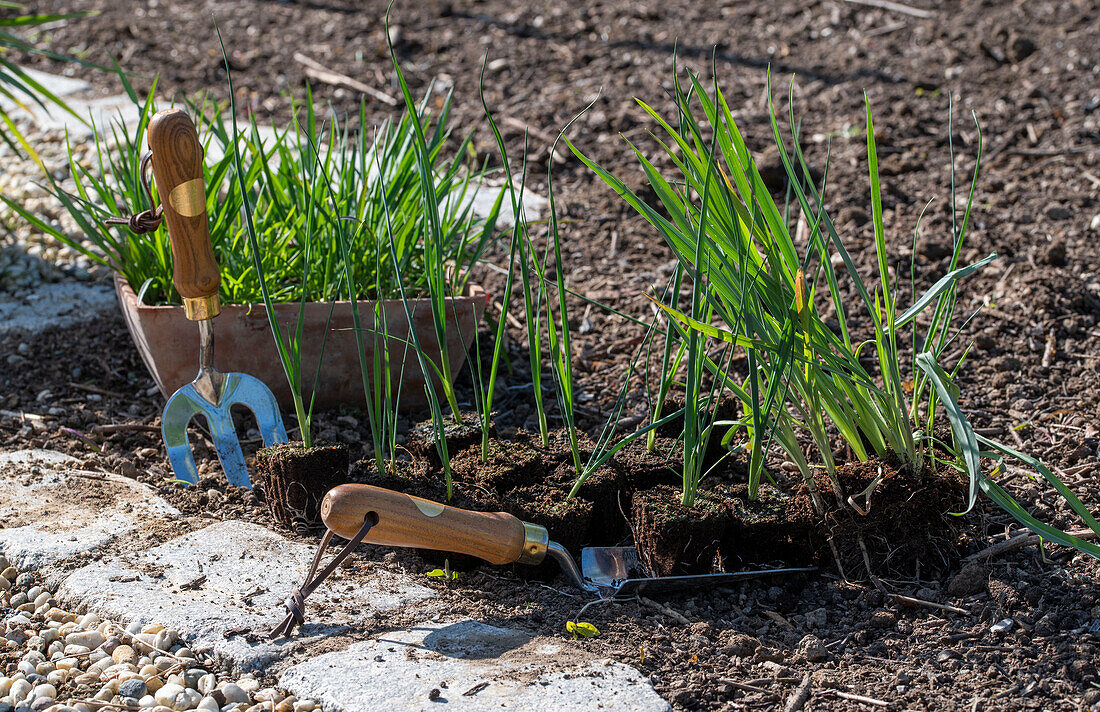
{"x": 69, "y": 662}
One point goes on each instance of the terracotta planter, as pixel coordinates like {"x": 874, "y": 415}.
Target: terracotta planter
{"x": 169, "y": 344}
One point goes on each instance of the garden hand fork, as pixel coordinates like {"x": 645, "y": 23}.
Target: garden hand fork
{"x": 177, "y": 168}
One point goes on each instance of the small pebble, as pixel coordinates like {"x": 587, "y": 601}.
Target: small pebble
{"x": 41, "y": 704}
{"x": 207, "y": 684}
{"x": 268, "y": 694}
{"x": 124, "y": 654}
{"x": 167, "y": 695}
{"x": 191, "y": 677}
{"x": 248, "y": 684}
{"x": 234, "y": 693}
{"x": 88, "y": 638}
{"x": 19, "y": 690}
{"x": 134, "y": 688}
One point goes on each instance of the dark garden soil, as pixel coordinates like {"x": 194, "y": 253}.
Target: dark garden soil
{"x": 1030, "y": 73}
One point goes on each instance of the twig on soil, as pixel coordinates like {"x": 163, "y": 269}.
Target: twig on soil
{"x": 895, "y": 7}
{"x": 538, "y": 133}
{"x": 316, "y": 70}
{"x": 124, "y": 428}
{"x": 1049, "y": 350}
{"x": 860, "y": 698}
{"x": 1041, "y": 152}
{"x": 800, "y": 696}
{"x": 679, "y": 618}
{"x": 745, "y": 686}
{"x": 97, "y": 704}
{"x": 21, "y": 415}
{"x": 95, "y": 389}
{"x": 920, "y": 602}
{"x": 879, "y": 31}
{"x": 1020, "y": 540}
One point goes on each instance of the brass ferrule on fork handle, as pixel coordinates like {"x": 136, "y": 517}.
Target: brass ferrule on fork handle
{"x": 202, "y": 308}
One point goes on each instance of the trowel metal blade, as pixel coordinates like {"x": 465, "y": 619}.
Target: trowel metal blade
{"x": 610, "y": 568}
{"x": 186, "y": 403}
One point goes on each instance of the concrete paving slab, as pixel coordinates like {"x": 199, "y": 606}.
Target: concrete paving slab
{"x": 58, "y": 84}
{"x": 55, "y": 304}
{"x": 472, "y": 666}
{"x": 51, "y": 512}
{"x": 222, "y": 587}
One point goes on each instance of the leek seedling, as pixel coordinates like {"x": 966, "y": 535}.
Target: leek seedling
{"x": 672, "y": 354}
{"x": 519, "y": 235}
{"x": 434, "y": 237}
{"x": 428, "y": 369}
{"x": 968, "y": 446}
{"x": 561, "y": 351}
{"x": 801, "y": 373}
{"x": 289, "y": 346}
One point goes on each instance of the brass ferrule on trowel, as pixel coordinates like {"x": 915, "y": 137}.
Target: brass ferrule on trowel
{"x": 535, "y": 541}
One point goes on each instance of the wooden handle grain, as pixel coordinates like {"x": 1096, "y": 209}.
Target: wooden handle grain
{"x": 404, "y": 520}
{"x": 177, "y": 169}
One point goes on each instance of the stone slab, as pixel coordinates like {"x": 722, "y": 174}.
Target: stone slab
{"x": 55, "y": 304}
{"x": 51, "y": 512}
{"x": 474, "y": 667}
{"x": 248, "y": 572}
{"x": 57, "y": 84}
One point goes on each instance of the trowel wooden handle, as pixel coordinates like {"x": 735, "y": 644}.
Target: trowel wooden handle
{"x": 177, "y": 168}
{"x": 404, "y": 520}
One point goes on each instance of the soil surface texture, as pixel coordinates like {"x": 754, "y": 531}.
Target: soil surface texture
{"x": 1019, "y": 629}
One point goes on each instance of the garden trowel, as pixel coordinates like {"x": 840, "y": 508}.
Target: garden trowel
{"x": 177, "y": 168}
{"x": 397, "y": 519}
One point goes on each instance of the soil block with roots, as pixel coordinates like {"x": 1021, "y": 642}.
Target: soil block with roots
{"x": 422, "y": 437}
{"x": 509, "y": 464}
{"x": 673, "y": 539}
{"x": 774, "y": 528}
{"x": 295, "y": 479}
{"x": 903, "y": 520}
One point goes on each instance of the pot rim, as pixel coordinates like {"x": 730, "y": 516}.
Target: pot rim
{"x": 122, "y": 285}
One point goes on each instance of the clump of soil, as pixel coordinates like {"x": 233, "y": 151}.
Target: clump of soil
{"x": 610, "y": 500}
{"x": 510, "y": 463}
{"x": 295, "y": 479}
{"x": 413, "y": 477}
{"x": 776, "y": 527}
{"x": 673, "y": 539}
{"x": 567, "y": 519}
{"x": 907, "y": 527}
{"x": 422, "y": 438}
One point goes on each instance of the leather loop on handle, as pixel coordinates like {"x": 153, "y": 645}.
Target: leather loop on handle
{"x": 177, "y": 169}
{"x": 404, "y": 520}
